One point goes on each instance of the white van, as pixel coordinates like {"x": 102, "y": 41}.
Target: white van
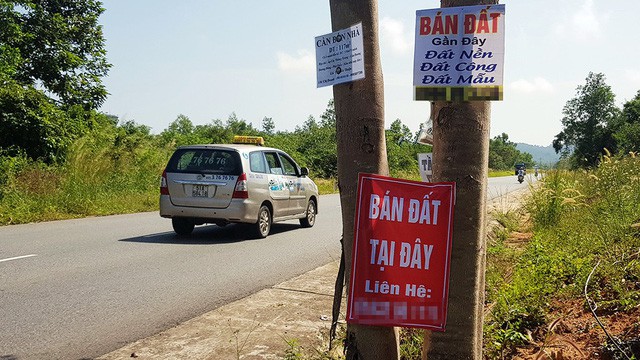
{"x": 236, "y": 183}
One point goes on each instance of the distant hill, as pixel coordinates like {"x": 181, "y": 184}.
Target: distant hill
{"x": 543, "y": 155}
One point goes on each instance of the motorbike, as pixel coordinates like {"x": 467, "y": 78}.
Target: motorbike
{"x": 520, "y": 169}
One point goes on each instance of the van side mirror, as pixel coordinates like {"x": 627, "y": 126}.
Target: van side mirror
{"x": 304, "y": 171}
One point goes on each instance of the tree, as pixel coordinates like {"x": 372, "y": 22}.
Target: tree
{"x": 30, "y": 123}
{"x": 589, "y": 121}
{"x": 328, "y": 117}
{"x": 55, "y": 44}
{"x": 181, "y": 125}
{"x": 628, "y": 134}
{"x": 402, "y": 150}
{"x": 131, "y": 136}
{"x": 399, "y": 133}
{"x": 316, "y": 142}
{"x": 9, "y": 55}
{"x": 309, "y": 125}
{"x": 181, "y": 132}
{"x": 313, "y": 144}
{"x": 268, "y": 126}
{"x": 52, "y": 59}
{"x": 359, "y": 111}
{"x": 236, "y": 126}
{"x": 503, "y": 153}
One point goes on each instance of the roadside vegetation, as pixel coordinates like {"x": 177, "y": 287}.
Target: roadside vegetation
{"x": 563, "y": 271}
{"x": 114, "y": 167}
{"x": 60, "y": 157}
{"x": 564, "y": 274}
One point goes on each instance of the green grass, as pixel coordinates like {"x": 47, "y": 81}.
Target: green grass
{"x": 94, "y": 181}
{"x": 97, "y": 179}
{"x": 498, "y": 173}
{"x": 578, "y": 219}
{"x": 326, "y": 186}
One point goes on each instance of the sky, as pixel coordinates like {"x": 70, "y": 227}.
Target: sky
{"x": 210, "y": 59}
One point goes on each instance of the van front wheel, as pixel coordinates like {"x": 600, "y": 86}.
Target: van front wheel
{"x": 310, "y": 217}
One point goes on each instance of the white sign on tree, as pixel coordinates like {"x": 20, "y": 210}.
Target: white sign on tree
{"x": 425, "y": 165}
{"x": 459, "y": 53}
{"x": 340, "y": 56}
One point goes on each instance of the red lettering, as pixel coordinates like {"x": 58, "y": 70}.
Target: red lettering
{"x": 469, "y": 23}
{"x": 451, "y": 24}
{"x": 425, "y": 25}
{"x": 494, "y": 18}
{"x": 438, "y": 26}
{"x": 481, "y": 24}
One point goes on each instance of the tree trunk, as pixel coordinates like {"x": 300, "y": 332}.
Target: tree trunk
{"x": 461, "y": 154}
{"x": 359, "y": 107}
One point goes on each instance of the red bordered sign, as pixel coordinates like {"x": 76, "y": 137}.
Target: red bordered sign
{"x": 401, "y": 253}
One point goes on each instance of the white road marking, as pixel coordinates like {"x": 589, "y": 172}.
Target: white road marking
{"x": 18, "y": 257}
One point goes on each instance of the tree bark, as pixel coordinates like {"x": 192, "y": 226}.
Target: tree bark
{"x": 461, "y": 154}
{"x": 359, "y": 107}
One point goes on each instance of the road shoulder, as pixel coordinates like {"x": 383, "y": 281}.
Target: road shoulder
{"x": 261, "y": 326}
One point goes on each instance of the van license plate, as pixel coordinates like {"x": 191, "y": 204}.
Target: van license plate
{"x": 200, "y": 191}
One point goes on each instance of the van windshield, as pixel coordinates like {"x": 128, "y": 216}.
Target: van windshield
{"x": 205, "y": 161}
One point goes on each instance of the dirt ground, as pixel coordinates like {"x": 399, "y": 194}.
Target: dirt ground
{"x": 576, "y": 334}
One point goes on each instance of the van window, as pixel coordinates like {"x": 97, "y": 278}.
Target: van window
{"x": 289, "y": 166}
{"x": 273, "y": 162}
{"x": 257, "y": 163}
{"x": 205, "y": 161}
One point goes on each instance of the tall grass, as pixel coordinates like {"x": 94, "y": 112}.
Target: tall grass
{"x": 97, "y": 179}
{"x": 498, "y": 173}
{"x": 326, "y": 186}
{"x": 579, "y": 219}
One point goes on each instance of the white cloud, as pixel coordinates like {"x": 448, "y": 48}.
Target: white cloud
{"x": 303, "y": 62}
{"x": 395, "y": 37}
{"x": 584, "y": 25}
{"x": 537, "y": 85}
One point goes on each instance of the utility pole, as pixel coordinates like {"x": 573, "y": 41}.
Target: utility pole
{"x": 461, "y": 154}
{"x": 359, "y": 108}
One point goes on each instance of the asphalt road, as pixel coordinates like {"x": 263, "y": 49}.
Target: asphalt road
{"x": 77, "y": 289}
{"x": 503, "y": 185}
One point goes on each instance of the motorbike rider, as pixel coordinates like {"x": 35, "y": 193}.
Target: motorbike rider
{"x": 521, "y": 175}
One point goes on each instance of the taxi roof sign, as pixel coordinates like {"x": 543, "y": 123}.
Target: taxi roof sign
{"x": 243, "y": 139}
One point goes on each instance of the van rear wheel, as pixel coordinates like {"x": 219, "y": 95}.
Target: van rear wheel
{"x": 182, "y": 226}
{"x": 263, "y": 226}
